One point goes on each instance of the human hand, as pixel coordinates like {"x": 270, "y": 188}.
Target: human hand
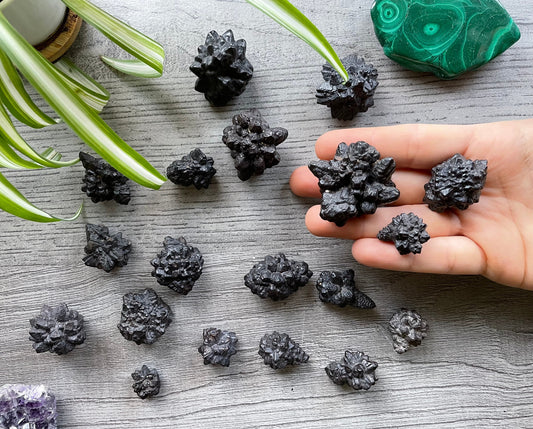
{"x": 493, "y": 238}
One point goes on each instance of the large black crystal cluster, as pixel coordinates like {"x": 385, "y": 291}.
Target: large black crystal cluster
{"x": 407, "y": 231}
{"x": 279, "y": 350}
{"x": 346, "y": 99}
{"x": 146, "y": 382}
{"x": 253, "y": 143}
{"x": 354, "y": 183}
{"x": 178, "y": 265}
{"x": 277, "y": 277}
{"x": 193, "y": 169}
{"x": 102, "y": 182}
{"x": 222, "y": 68}
{"x": 456, "y": 182}
{"x": 144, "y": 318}
{"x": 27, "y": 407}
{"x": 355, "y": 369}
{"x": 338, "y": 287}
{"x": 408, "y": 329}
{"x": 57, "y": 330}
{"x": 103, "y": 250}
{"x": 218, "y": 346}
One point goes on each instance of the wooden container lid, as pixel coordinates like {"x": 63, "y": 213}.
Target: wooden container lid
{"x": 58, "y": 44}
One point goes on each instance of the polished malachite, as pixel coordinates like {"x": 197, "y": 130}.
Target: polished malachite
{"x": 444, "y": 37}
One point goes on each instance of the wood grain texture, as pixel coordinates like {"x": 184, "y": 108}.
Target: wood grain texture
{"x": 475, "y": 368}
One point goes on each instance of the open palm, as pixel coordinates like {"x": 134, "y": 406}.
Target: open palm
{"x": 493, "y": 238}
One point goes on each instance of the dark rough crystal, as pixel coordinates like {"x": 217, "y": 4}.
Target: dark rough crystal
{"x": 222, "y": 68}
{"x": 102, "y": 182}
{"x": 178, "y": 265}
{"x": 218, "y": 346}
{"x": 408, "y": 329}
{"x": 407, "y": 231}
{"x": 193, "y": 169}
{"x": 338, "y": 287}
{"x": 456, "y": 182}
{"x": 57, "y": 330}
{"x": 145, "y": 317}
{"x": 354, "y": 183}
{"x": 253, "y": 143}
{"x": 27, "y": 407}
{"x": 277, "y": 277}
{"x": 105, "y": 251}
{"x": 355, "y": 369}
{"x": 146, "y": 382}
{"x": 278, "y": 351}
{"x": 356, "y": 95}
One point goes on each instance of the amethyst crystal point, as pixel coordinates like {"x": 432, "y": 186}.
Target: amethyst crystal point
{"x": 354, "y": 183}
{"x": 222, "y": 68}
{"x": 338, "y": 287}
{"x": 456, "y": 182}
{"x": 278, "y": 351}
{"x": 146, "y": 382}
{"x": 178, "y": 265}
{"x": 355, "y": 369}
{"x": 218, "y": 346}
{"x": 102, "y": 182}
{"x": 253, "y": 143}
{"x": 105, "y": 251}
{"x": 277, "y": 277}
{"x": 407, "y": 231}
{"x": 356, "y": 95}
{"x": 57, "y": 330}
{"x": 27, "y": 407}
{"x": 408, "y": 329}
{"x": 144, "y": 317}
{"x": 193, "y": 169}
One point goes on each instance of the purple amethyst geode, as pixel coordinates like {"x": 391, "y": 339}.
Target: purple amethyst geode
{"x": 25, "y": 406}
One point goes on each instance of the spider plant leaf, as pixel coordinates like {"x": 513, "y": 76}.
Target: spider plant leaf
{"x": 143, "y": 48}
{"x": 287, "y": 15}
{"x": 131, "y": 67}
{"x": 12, "y": 201}
{"x": 83, "y": 120}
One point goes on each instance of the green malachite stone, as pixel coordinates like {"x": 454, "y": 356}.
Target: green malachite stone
{"x": 444, "y": 37}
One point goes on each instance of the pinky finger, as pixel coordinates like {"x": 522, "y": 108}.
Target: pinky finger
{"x": 440, "y": 255}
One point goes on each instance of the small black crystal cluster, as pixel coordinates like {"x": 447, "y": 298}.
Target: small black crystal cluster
{"x": 276, "y": 277}
{"x": 338, "y": 287}
{"x": 193, "y": 169}
{"x": 103, "y": 250}
{"x": 218, "y": 346}
{"x": 57, "y": 330}
{"x": 222, "y": 68}
{"x": 346, "y": 99}
{"x": 279, "y": 350}
{"x": 408, "y": 329}
{"x": 355, "y": 369}
{"x": 407, "y": 231}
{"x": 146, "y": 382}
{"x": 354, "y": 183}
{"x": 102, "y": 182}
{"x": 253, "y": 143}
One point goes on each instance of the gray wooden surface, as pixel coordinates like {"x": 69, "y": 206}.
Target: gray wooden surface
{"x": 475, "y": 369}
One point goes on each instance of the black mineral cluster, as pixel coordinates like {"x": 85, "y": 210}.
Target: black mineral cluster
{"x": 408, "y": 329}
{"x": 407, "y": 231}
{"x": 456, "y": 183}
{"x": 146, "y": 382}
{"x": 354, "y": 183}
{"x": 222, "y": 68}
{"x": 253, "y": 143}
{"x": 102, "y": 182}
{"x": 355, "y": 369}
{"x": 346, "y": 99}
{"x": 178, "y": 265}
{"x": 57, "y": 330}
{"x": 103, "y": 250}
{"x": 144, "y": 318}
{"x": 218, "y": 346}
{"x": 338, "y": 287}
{"x": 193, "y": 169}
{"x": 276, "y": 277}
{"x": 278, "y": 351}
